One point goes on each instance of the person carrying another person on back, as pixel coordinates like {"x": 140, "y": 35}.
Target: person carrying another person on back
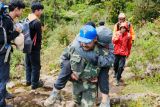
{"x": 104, "y": 61}
{"x": 32, "y": 60}
{"x": 122, "y": 47}
{"x": 121, "y": 19}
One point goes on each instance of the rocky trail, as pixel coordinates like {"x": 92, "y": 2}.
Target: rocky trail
{"x": 25, "y": 97}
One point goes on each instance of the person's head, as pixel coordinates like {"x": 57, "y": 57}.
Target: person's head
{"x": 91, "y": 24}
{"x": 101, "y": 23}
{"x": 37, "y": 9}
{"x": 87, "y": 37}
{"x": 123, "y": 27}
{"x": 121, "y": 17}
{"x": 16, "y": 7}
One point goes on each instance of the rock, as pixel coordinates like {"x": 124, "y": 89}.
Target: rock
{"x": 139, "y": 65}
{"x": 11, "y": 84}
{"x": 152, "y": 69}
{"x": 19, "y": 90}
{"x": 48, "y": 81}
{"x": 38, "y": 101}
{"x": 133, "y": 97}
{"x": 157, "y": 103}
{"x": 127, "y": 75}
{"x": 17, "y": 100}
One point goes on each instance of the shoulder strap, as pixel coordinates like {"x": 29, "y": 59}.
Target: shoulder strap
{"x": 118, "y": 25}
{"x": 129, "y": 25}
{"x": 4, "y": 33}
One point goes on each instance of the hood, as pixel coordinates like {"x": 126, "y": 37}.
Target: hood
{"x": 104, "y": 35}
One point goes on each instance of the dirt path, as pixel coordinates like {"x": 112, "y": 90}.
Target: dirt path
{"x": 25, "y": 97}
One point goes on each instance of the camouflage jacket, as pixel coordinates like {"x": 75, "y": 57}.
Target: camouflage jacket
{"x": 84, "y": 69}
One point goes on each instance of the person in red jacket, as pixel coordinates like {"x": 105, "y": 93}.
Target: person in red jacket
{"x": 122, "y": 47}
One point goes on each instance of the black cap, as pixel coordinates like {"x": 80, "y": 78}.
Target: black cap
{"x": 101, "y": 23}
{"x": 91, "y": 23}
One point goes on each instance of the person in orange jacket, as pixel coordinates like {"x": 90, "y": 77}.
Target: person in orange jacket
{"x": 121, "y": 19}
{"x": 122, "y": 41}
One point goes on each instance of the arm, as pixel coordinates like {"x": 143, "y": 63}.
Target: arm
{"x": 107, "y": 60}
{"x": 115, "y": 38}
{"x": 129, "y": 44}
{"x": 100, "y": 60}
{"x": 38, "y": 29}
{"x": 11, "y": 35}
{"x": 114, "y": 30}
{"x": 131, "y": 30}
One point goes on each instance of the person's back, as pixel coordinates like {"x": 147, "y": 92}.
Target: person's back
{"x": 32, "y": 60}
{"x": 35, "y": 31}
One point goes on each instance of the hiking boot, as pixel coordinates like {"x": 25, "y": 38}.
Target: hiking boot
{"x": 28, "y": 83}
{"x": 107, "y": 104}
{"x": 9, "y": 95}
{"x": 52, "y": 98}
{"x": 40, "y": 84}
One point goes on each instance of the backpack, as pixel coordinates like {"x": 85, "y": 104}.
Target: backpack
{"x": 118, "y": 25}
{"x": 2, "y": 29}
{"x": 28, "y": 42}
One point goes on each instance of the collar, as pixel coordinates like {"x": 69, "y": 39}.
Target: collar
{"x": 32, "y": 17}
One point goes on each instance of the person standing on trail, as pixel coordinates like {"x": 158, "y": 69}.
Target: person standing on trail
{"x": 7, "y": 34}
{"x": 122, "y": 47}
{"x": 103, "y": 61}
{"x": 121, "y": 19}
{"x": 32, "y": 60}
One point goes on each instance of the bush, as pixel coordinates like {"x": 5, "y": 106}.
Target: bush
{"x": 146, "y": 10}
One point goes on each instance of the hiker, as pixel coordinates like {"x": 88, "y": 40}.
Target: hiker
{"x": 32, "y": 60}
{"x": 8, "y": 34}
{"x": 122, "y": 18}
{"x": 101, "y": 23}
{"x": 122, "y": 47}
{"x": 103, "y": 61}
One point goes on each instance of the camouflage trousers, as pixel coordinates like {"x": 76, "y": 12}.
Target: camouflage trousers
{"x": 84, "y": 93}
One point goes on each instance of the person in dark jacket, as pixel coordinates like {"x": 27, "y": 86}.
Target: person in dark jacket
{"x": 32, "y": 60}
{"x": 15, "y": 10}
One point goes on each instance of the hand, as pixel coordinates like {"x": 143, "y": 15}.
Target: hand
{"x": 74, "y": 76}
{"x": 18, "y": 30}
{"x": 94, "y": 80}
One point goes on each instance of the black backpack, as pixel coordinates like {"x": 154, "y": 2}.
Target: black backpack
{"x": 3, "y": 32}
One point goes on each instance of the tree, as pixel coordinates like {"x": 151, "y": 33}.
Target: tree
{"x": 117, "y": 6}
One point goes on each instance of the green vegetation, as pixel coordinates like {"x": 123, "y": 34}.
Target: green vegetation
{"x": 62, "y": 20}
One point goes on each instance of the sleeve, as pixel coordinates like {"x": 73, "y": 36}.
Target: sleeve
{"x": 115, "y": 38}
{"x": 107, "y": 60}
{"x": 90, "y": 56}
{"x": 132, "y": 32}
{"x": 38, "y": 29}
{"x": 99, "y": 60}
{"x": 66, "y": 53}
{"x": 11, "y": 35}
{"x": 114, "y": 30}
{"x": 129, "y": 44}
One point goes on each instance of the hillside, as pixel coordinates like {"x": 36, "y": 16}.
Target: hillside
{"x": 62, "y": 20}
